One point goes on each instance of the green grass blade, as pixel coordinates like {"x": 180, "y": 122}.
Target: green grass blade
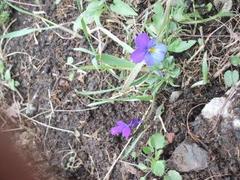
{"x": 115, "y": 62}
{"x": 88, "y": 93}
{"x": 84, "y": 50}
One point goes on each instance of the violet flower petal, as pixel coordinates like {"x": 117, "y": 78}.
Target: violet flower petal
{"x": 117, "y": 130}
{"x": 134, "y": 123}
{"x": 151, "y": 43}
{"x": 160, "y": 47}
{"x": 149, "y": 60}
{"x": 142, "y": 40}
{"x": 138, "y": 55}
{"x": 126, "y": 132}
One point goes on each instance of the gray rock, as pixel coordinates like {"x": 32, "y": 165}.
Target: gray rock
{"x": 189, "y": 157}
{"x": 174, "y": 96}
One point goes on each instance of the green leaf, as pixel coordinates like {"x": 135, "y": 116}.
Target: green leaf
{"x": 7, "y": 75}
{"x": 122, "y": 8}
{"x": 142, "y": 167}
{"x": 231, "y": 78}
{"x": 172, "y": 175}
{"x": 157, "y": 141}
{"x": 158, "y": 154}
{"x": 156, "y": 24}
{"x": 179, "y": 15}
{"x": 116, "y": 62}
{"x": 205, "y": 68}
{"x": 147, "y": 150}
{"x": 179, "y": 46}
{"x": 235, "y": 60}
{"x": 91, "y": 14}
{"x": 11, "y": 84}
{"x": 18, "y": 33}
{"x": 158, "y": 167}
{"x": 2, "y": 67}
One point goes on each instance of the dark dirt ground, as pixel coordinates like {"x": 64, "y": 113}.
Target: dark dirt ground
{"x": 43, "y": 73}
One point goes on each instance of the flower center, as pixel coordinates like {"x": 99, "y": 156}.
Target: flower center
{"x": 152, "y": 50}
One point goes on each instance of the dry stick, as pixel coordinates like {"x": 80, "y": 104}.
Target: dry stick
{"x": 125, "y": 147}
{"x": 226, "y": 66}
{"x": 163, "y": 125}
{"x": 48, "y": 126}
{"x": 50, "y": 117}
{"x": 193, "y": 136}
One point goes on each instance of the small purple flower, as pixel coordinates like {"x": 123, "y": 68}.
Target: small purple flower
{"x": 148, "y": 50}
{"x": 124, "y": 129}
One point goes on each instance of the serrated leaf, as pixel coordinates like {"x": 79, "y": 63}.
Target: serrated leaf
{"x": 142, "y": 167}
{"x": 231, "y": 78}
{"x": 172, "y": 175}
{"x": 235, "y": 60}
{"x": 158, "y": 167}
{"x": 157, "y": 141}
{"x": 122, "y": 8}
{"x": 179, "y": 46}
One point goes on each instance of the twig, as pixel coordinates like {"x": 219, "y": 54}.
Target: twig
{"x": 226, "y": 66}
{"x": 48, "y": 126}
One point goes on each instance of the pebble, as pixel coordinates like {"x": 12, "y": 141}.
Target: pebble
{"x": 189, "y": 157}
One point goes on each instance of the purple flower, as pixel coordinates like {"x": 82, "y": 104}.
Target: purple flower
{"x": 124, "y": 129}
{"x": 148, "y": 50}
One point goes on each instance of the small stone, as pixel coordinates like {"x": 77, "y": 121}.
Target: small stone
{"x": 188, "y": 157}
{"x": 174, "y": 96}
{"x": 213, "y": 108}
